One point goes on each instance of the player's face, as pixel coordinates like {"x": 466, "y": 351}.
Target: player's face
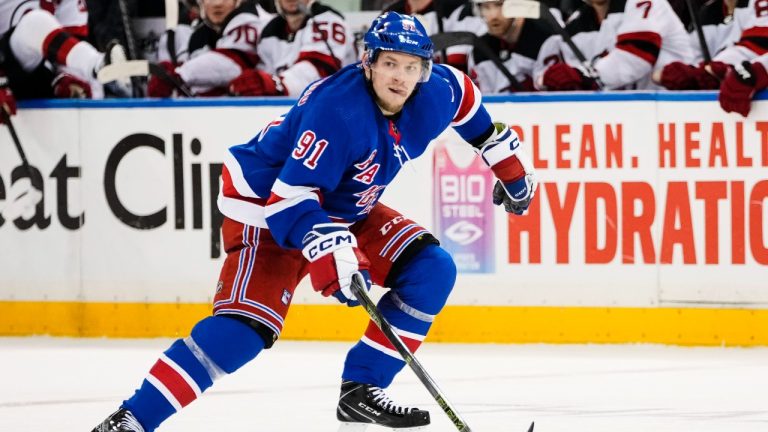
{"x": 497, "y": 23}
{"x": 393, "y": 76}
{"x": 217, "y": 10}
{"x": 293, "y": 7}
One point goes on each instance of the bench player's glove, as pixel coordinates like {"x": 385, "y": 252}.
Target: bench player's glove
{"x": 161, "y": 87}
{"x": 66, "y": 86}
{"x": 7, "y": 101}
{"x": 333, "y": 256}
{"x": 516, "y": 185}
{"x": 255, "y": 82}
{"x": 681, "y": 76}
{"x": 740, "y": 85}
{"x": 562, "y": 77}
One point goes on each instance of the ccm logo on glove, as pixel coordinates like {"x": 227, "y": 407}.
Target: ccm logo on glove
{"x": 323, "y": 245}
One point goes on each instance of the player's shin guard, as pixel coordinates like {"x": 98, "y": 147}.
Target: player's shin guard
{"x": 420, "y": 292}
{"x": 217, "y": 346}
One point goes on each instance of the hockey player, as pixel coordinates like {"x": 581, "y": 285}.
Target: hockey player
{"x": 515, "y": 41}
{"x": 741, "y": 83}
{"x": 306, "y": 41}
{"x": 43, "y": 53}
{"x": 302, "y": 198}
{"x": 456, "y": 15}
{"x": 744, "y": 38}
{"x": 624, "y": 41}
{"x": 218, "y": 51}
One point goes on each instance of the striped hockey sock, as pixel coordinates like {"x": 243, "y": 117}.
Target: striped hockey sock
{"x": 217, "y": 346}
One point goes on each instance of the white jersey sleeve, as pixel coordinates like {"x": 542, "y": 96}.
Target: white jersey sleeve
{"x": 320, "y": 48}
{"x": 235, "y": 51}
{"x": 182, "y": 35}
{"x": 648, "y": 36}
{"x": 72, "y": 14}
{"x": 749, "y": 33}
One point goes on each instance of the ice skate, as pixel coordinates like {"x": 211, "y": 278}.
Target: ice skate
{"x": 364, "y": 404}
{"x": 121, "y": 420}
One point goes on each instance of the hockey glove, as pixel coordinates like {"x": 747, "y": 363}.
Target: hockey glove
{"x": 333, "y": 256}
{"x": 561, "y": 77}
{"x": 679, "y": 76}
{"x": 510, "y": 164}
{"x": 66, "y": 86}
{"x": 516, "y": 196}
{"x": 255, "y": 82}
{"x": 7, "y": 101}
{"x": 161, "y": 87}
{"x": 740, "y": 85}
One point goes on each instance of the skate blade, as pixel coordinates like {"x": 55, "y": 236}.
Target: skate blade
{"x": 352, "y": 427}
{"x": 362, "y": 427}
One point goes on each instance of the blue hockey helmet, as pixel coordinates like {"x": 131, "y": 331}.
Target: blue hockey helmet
{"x": 392, "y": 31}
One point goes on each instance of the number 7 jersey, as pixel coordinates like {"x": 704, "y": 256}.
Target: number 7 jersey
{"x": 333, "y": 154}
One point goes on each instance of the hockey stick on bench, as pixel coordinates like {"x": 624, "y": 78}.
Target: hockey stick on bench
{"x": 358, "y": 289}
{"x": 510, "y": 7}
{"x": 133, "y": 68}
{"x": 31, "y": 198}
{"x": 441, "y": 41}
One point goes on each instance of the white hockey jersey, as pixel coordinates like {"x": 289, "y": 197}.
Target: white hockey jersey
{"x": 635, "y": 38}
{"x": 519, "y": 59}
{"x": 72, "y": 14}
{"x": 457, "y": 16}
{"x": 322, "y": 45}
{"x": 748, "y": 34}
{"x": 715, "y": 25}
{"x": 215, "y": 58}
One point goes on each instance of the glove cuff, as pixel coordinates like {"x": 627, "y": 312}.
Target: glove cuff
{"x": 325, "y": 239}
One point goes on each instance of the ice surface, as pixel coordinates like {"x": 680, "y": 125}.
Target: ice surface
{"x": 51, "y": 384}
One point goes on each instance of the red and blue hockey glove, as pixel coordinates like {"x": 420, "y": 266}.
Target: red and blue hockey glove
{"x": 333, "y": 256}
{"x": 562, "y": 77}
{"x": 162, "y": 87}
{"x": 255, "y": 82}
{"x": 66, "y": 86}
{"x": 740, "y": 85}
{"x": 7, "y": 101}
{"x": 516, "y": 185}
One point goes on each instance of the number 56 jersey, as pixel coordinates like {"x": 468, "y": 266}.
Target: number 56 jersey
{"x": 332, "y": 155}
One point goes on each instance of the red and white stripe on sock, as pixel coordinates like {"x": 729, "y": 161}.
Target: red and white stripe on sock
{"x": 173, "y": 382}
{"x": 376, "y": 339}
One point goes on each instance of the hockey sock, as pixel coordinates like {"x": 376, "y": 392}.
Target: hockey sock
{"x": 217, "y": 346}
{"x": 420, "y": 292}
{"x": 39, "y": 36}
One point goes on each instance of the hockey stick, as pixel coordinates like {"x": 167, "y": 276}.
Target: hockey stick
{"x": 358, "y": 289}
{"x": 546, "y": 14}
{"x": 128, "y": 29}
{"x": 171, "y": 21}
{"x": 131, "y": 41}
{"x": 699, "y": 32}
{"x": 444, "y": 40}
{"x": 34, "y": 195}
{"x": 137, "y": 68}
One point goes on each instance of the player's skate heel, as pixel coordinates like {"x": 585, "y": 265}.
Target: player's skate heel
{"x": 121, "y": 420}
{"x": 364, "y": 404}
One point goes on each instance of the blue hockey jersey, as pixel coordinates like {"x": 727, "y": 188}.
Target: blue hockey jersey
{"x": 331, "y": 156}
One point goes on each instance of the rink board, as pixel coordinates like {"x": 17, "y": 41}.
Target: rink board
{"x": 649, "y": 224}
